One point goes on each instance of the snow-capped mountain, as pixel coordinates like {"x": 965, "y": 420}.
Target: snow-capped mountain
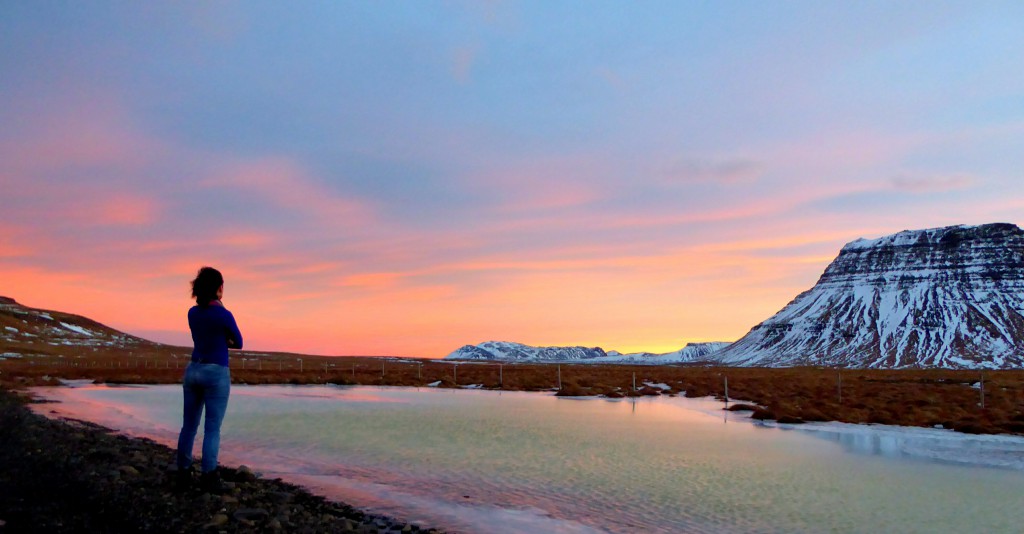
{"x": 692, "y": 352}
{"x": 517, "y": 352}
{"x": 508, "y": 351}
{"x": 945, "y": 297}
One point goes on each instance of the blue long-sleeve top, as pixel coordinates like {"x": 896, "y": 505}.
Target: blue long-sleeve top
{"x": 213, "y": 331}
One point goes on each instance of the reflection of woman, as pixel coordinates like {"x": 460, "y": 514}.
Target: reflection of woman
{"x": 207, "y": 379}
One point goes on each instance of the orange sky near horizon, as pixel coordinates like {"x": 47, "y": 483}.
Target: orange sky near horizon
{"x": 654, "y": 303}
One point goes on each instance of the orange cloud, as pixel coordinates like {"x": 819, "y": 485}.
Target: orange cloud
{"x": 14, "y": 243}
{"x": 371, "y": 280}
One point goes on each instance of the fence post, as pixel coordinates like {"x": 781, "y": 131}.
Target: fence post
{"x": 726, "y": 389}
{"x": 982, "y": 390}
{"x": 456, "y": 371}
{"x": 382, "y": 369}
{"x": 634, "y": 382}
{"x": 419, "y": 370}
{"x": 559, "y": 378}
{"x": 501, "y": 377}
{"x": 839, "y": 379}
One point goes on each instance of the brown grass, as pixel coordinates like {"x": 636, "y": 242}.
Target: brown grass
{"x": 905, "y": 397}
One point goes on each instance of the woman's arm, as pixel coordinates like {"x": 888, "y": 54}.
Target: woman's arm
{"x": 234, "y": 335}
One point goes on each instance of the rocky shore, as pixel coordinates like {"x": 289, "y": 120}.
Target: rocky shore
{"x": 72, "y": 476}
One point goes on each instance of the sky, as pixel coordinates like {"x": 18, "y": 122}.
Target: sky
{"x": 404, "y": 178}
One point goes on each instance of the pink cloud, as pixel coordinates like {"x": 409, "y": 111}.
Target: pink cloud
{"x": 612, "y": 78}
{"x": 789, "y": 241}
{"x": 88, "y": 130}
{"x": 552, "y": 183}
{"x": 842, "y": 150}
{"x": 81, "y": 204}
{"x": 932, "y": 183}
{"x": 286, "y": 184}
{"x": 122, "y": 209}
{"x": 731, "y": 171}
{"x": 221, "y": 21}
{"x": 463, "y": 59}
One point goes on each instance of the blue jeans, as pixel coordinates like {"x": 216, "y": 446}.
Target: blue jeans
{"x": 206, "y": 385}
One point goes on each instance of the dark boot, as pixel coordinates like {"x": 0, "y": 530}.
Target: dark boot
{"x": 183, "y": 479}
{"x": 210, "y": 482}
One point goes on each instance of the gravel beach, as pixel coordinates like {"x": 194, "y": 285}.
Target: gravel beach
{"x": 73, "y": 476}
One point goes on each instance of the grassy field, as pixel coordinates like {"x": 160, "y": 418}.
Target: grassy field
{"x": 953, "y": 399}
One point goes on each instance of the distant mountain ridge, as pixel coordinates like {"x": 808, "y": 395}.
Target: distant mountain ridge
{"x": 950, "y": 297}
{"x": 518, "y": 352}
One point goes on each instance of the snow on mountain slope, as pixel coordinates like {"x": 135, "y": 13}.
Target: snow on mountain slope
{"x": 692, "y": 352}
{"x": 517, "y": 352}
{"x": 945, "y": 297}
{"x": 24, "y": 327}
{"x": 508, "y": 351}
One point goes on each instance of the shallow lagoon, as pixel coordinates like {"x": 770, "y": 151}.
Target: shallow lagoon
{"x": 485, "y": 461}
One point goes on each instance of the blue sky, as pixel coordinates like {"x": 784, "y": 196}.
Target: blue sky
{"x": 404, "y": 178}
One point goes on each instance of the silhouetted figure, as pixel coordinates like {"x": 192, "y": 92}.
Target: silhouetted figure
{"x": 207, "y": 380}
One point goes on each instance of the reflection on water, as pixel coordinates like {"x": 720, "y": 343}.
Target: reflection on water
{"x": 480, "y": 461}
{"x": 866, "y": 443}
{"x": 946, "y": 446}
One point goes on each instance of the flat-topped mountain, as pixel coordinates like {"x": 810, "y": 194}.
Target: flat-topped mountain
{"x": 948, "y": 297}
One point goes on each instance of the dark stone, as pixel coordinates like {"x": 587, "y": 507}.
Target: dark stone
{"x": 251, "y": 514}
{"x": 280, "y": 496}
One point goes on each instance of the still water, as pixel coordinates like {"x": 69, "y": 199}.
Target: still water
{"x": 484, "y": 461}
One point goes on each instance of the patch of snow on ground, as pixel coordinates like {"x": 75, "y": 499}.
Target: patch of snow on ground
{"x": 663, "y": 387}
{"x": 77, "y": 329}
{"x": 46, "y": 316}
{"x": 10, "y": 355}
{"x": 434, "y": 384}
{"x": 947, "y": 446}
{"x": 11, "y": 329}
{"x": 473, "y": 386}
{"x": 77, "y": 383}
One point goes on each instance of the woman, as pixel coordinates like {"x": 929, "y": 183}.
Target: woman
{"x": 207, "y": 379}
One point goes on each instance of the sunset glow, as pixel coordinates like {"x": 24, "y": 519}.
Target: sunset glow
{"x": 408, "y": 178}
